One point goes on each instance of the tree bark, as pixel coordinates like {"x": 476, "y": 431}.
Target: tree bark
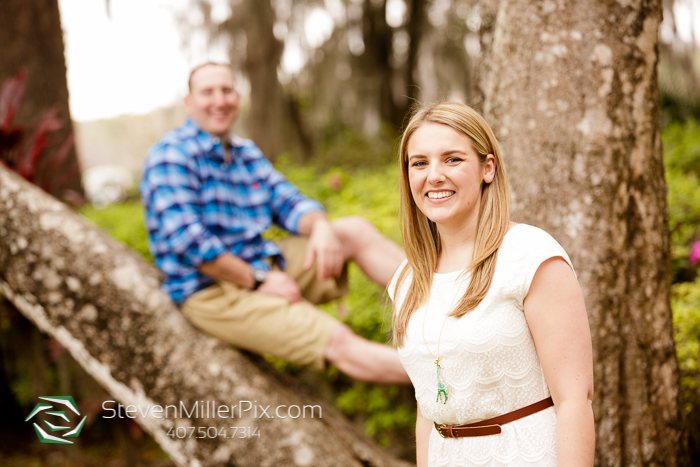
{"x": 102, "y": 302}
{"x": 415, "y": 28}
{"x": 263, "y": 53}
{"x": 31, "y": 38}
{"x": 571, "y": 92}
{"x": 375, "y": 63}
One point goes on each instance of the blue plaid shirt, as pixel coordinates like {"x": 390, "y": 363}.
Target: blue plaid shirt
{"x": 199, "y": 207}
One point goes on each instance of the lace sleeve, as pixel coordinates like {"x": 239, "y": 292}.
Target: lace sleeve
{"x": 541, "y": 247}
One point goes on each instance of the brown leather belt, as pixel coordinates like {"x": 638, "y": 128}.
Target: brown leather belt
{"x": 491, "y": 426}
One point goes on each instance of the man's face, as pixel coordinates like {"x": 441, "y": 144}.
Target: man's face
{"x": 213, "y": 101}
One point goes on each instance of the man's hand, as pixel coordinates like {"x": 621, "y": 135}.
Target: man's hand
{"x": 325, "y": 247}
{"x": 279, "y": 283}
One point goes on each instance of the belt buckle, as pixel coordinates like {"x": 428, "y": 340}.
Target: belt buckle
{"x": 440, "y": 427}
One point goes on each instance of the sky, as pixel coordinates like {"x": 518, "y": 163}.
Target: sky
{"x": 134, "y": 60}
{"x": 130, "y": 62}
{"x": 687, "y": 14}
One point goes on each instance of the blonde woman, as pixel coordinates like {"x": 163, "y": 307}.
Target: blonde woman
{"x": 489, "y": 319}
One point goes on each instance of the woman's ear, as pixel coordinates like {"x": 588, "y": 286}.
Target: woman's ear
{"x": 489, "y": 168}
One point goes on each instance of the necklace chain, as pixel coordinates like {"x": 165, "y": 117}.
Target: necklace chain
{"x": 441, "y": 387}
{"x": 439, "y": 335}
{"x": 441, "y": 329}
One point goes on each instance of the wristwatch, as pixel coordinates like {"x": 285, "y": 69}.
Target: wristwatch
{"x": 259, "y": 276}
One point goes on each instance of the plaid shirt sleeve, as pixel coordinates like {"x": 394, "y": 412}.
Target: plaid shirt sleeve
{"x": 287, "y": 203}
{"x": 173, "y": 213}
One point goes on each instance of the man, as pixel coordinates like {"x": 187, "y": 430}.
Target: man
{"x": 209, "y": 196}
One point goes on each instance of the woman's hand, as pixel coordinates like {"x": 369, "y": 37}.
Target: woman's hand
{"x": 556, "y": 314}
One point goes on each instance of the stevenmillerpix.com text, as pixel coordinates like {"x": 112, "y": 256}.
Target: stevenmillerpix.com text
{"x": 210, "y": 409}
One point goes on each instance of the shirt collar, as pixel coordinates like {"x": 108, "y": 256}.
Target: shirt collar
{"x": 205, "y": 140}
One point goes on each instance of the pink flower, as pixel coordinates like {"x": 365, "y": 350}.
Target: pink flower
{"x": 335, "y": 182}
{"x": 342, "y": 311}
{"x": 695, "y": 252}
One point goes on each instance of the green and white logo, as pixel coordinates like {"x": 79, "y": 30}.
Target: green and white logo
{"x": 69, "y": 403}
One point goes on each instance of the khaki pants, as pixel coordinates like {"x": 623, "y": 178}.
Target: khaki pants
{"x": 296, "y": 332}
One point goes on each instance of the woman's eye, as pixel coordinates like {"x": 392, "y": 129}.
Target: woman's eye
{"x": 454, "y": 159}
{"x": 418, "y": 164}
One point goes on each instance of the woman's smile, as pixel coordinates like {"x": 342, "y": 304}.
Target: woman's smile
{"x": 439, "y": 195}
{"x": 446, "y": 175}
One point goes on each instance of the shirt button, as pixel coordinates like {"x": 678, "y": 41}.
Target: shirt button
{"x": 217, "y": 140}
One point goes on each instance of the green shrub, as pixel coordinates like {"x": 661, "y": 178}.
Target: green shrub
{"x": 343, "y": 146}
{"x": 124, "y": 221}
{"x": 682, "y": 164}
{"x": 686, "y": 323}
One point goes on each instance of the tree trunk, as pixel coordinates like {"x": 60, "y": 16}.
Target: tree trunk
{"x": 571, "y": 92}
{"x": 375, "y": 63}
{"x": 263, "y": 53}
{"x": 274, "y": 121}
{"x": 415, "y": 28}
{"x": 102, "y": 302}
{"x": 31, "y": 38}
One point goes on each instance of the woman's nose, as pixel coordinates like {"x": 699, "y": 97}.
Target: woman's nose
{"x": 436, "y": 174}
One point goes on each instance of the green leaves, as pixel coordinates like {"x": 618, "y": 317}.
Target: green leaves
{"x": 686, "y": 323}
{"x": 124, "y": 221}
{"x": 682, "y": 164}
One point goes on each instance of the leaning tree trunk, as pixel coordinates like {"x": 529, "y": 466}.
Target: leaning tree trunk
{"x": 102, "y": 302}
{"x": 571, "y": 91}
{"x": 31, "y": 38}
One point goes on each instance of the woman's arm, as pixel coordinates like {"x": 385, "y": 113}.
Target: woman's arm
{"x": 556, "y": 314}
{"x": 423, "y": 428}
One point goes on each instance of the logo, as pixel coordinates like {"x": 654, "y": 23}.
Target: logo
{"x": 48, "y": 409}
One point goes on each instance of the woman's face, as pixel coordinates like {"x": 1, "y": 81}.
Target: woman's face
{"x": 445, "y": 175}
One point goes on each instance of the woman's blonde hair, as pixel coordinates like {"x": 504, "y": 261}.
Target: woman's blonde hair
{"x": 420, "y": 235}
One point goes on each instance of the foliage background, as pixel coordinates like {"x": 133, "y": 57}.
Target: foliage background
{"x": 681, "y": 142}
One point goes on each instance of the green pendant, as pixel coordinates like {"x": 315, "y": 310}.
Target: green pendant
{"x": 442, "y": 389}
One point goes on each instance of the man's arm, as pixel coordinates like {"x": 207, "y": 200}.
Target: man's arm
{"x": 308, "y": 220}
{"x": 324, "y": 245}
{"x": 170, "y": 190}
{"x": 287, "y": 203}
{"x": 230, "y": 268}
{"x": 302, "y": 215}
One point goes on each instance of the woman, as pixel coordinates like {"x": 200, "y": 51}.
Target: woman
{"x": 488, "y": 315}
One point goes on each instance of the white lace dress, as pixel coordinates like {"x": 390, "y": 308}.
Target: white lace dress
{"x": 488, "y": 360}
